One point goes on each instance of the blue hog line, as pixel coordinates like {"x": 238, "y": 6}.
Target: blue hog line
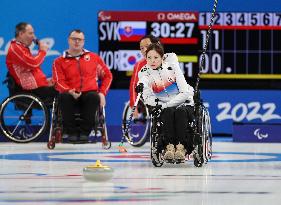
{"x": 46, "y": 157}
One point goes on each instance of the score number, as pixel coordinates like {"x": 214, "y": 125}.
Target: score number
{"x": 166, "y": 30}
{"x": 214, "y": 60}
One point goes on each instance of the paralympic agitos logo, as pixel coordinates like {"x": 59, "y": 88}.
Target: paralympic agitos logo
{"x": 260, "y": 135}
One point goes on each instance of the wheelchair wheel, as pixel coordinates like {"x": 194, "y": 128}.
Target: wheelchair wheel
{"x": 198, "y": 156}
{"x": 156, "y": 151}
{"x": 51, "y": 144}
{"x": 106, "y": 144}
{"x": 101, "y": 128}
{"x": 207, "y": 134}
{"x": 24, "y": 118}
{"x": 139, "y": 128}
{"x": 203, "y": 148}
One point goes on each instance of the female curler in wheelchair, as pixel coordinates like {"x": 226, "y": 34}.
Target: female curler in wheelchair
{"x": 200, "y": 130}
{"x": 145, "y": 127}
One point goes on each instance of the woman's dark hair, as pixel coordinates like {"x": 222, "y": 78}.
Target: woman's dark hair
{"x": 152, "y": 38}
{"x": 156, "y": 47}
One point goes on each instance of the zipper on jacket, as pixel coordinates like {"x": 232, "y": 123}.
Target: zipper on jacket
{"x": 163, "y": 83}
{"x": 80, "y": 71}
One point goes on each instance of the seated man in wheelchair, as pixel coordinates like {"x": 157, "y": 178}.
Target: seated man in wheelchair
{"x": 166, "y": 91}
{"x": 24, "y": 68}
{"x": 24, "y": 113}
{"x": 76, "y": 74}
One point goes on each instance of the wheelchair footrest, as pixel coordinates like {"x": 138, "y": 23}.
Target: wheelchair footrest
{"x": 170, "y": 161}
{"x": 174, "y": 161}
{"x": 179, "y": 161}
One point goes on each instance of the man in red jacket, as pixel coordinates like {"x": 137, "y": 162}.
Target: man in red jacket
{"x": 24, "y": 67}
{"x": 76, "y": 74}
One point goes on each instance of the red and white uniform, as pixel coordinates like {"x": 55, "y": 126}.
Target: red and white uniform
{"x": 166, "y": 83}
{"x": 81, "y": 73}
{"x": 24, "y": 67}
{"x": 134, "y": 80}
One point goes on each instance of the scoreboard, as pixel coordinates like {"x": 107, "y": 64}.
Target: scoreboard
{"x": 242, "y": 45}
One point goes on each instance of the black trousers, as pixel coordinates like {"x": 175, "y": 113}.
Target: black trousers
{"x": 87, "y": 105}
{"x": 47, "y": 94}
{"x": 176, "y": 128}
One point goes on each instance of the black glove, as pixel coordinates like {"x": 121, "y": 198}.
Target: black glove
{"x": 139, "y": 88}
{"x": 156, "y": 110}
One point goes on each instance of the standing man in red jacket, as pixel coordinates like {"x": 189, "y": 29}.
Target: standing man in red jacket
{"x": 76, "y": 74}
{"x": 25, "y": 67}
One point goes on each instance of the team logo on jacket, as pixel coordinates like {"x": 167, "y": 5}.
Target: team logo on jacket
{"x": 87, "y": 57}
{"x": 170, "y": 79}
{"x": 144, "y": 69}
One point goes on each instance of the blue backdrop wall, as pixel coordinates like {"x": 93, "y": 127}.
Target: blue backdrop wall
{"x": 53, "y": 20}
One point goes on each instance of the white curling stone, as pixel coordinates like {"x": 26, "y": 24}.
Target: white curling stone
{"x": 98, "y": 173}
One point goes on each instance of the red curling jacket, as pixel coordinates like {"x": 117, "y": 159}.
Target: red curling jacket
{"x": 81, "y": 73}
{"x": 24, "y": 67}
{"x": 134, "y": 80}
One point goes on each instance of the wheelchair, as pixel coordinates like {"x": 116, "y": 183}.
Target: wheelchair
{"x": 139, "y": 131}
{"x": 99, "y": 130}
{"x": 25, "y": 117}
{"x": 202, "y": 137}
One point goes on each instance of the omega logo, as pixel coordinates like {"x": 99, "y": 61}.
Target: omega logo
{"x": 161, "y": 16}
{"x": 181, "y": 16}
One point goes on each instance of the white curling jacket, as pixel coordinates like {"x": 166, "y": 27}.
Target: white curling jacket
{"x": 167, "y": 83}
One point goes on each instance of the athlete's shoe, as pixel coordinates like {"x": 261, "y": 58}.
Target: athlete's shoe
{"x": 69, "y": 138}
{"x": 169, "y": 153}
{"x": 180, "y": 153}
